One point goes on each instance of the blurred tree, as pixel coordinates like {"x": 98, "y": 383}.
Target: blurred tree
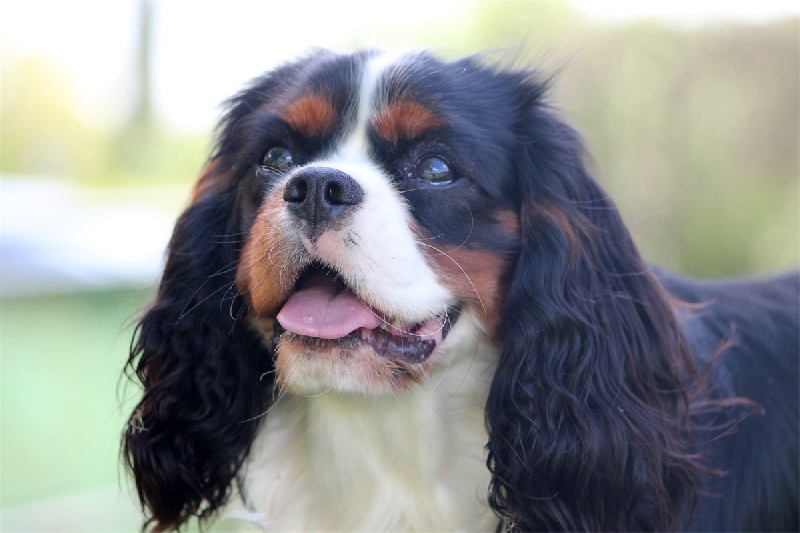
{"x": 134, "y": 142}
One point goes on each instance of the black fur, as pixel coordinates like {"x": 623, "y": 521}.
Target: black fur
{"x": 624, "y": 398}
{"x": 589, "y": 407}
{"x": 202, "y": 374}
{"x": 605, "y": 413}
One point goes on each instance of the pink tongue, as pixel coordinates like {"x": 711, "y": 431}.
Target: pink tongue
{"x": 325, "y": 309}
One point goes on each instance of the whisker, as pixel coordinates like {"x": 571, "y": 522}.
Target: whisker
{"x": 281, "y": 393}
{"x": 474, "y": 289}
{"x": 230, "y": 267}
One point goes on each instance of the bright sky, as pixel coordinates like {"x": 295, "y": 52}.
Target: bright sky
{"x": 688, "y": 12}
{"x": 206, "y": 51}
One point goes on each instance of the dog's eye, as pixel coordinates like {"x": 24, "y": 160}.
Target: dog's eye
{"x": 278, "y": 159}
{"x": 434, "y": 169}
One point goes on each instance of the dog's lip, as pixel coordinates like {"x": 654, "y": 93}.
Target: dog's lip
{"x": 414, "y": 346}
{"x": 324, "y": 313}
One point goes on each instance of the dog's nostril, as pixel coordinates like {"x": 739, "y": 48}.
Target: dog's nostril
{"x": 333, "y": 193}
{"x": 296, "y": 191}
{"x": 343, "y": 192}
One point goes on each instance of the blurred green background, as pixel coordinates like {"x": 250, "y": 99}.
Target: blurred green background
{"x": 106, "y": 111}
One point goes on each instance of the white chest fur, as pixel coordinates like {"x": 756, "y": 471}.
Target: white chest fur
{"x": 411, "y": 461}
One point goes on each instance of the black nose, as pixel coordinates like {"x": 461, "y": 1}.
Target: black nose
{"x": 321, "y": 196}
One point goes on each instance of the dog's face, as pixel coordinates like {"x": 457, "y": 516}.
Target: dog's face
{"x": 373, "y": 191}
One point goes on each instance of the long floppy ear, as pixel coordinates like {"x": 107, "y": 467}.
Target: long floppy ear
{"x": 200, "y": 367}
{"x": 588, "y": 411}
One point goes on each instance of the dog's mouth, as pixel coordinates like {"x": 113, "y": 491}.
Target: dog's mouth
{"x": 324, "y": 312}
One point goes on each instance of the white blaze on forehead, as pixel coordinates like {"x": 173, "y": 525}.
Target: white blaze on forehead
{"x": 356, "y": 144}
{"x": 377, "y": 252}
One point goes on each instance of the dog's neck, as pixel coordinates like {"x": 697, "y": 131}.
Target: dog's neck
{"x": 409, "y": 461}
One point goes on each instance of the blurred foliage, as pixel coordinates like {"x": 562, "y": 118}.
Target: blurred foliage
{"x": 693, "y": 131}
{"x": 41, "y": 130}
{"x": 696, "y": 135}
{"x": 43, "y": 134}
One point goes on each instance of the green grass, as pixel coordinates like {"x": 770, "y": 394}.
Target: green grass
{"x": 63, "y": 401}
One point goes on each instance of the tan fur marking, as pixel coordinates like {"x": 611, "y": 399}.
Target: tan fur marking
{"x": 508, "y": 219}
{"x": 267, "y": 271}
{"x": 558, "y": 218}
{"x": 405, "y": 120}
{"x": 479, "y": 276}
{"x": 212, "y": 180}
{"x": 311, "y": 115}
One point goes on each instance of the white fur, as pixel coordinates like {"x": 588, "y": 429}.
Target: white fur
{"x": 356, "y": 146}
{"x": 412, "y": 461}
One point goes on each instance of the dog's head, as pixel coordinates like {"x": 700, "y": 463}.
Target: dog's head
{"x": 357, "y": 213}
{"x": 378, "y": 214}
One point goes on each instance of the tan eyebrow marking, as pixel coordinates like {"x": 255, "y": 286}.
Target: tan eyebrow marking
{"x": 311, "y": 115}
{"x": 405, "y": 120}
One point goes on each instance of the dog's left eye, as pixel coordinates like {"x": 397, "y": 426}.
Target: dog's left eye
{"x": 435, "y": 170}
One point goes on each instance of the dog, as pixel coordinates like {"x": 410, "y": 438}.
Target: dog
{"x": 398, "y": 300}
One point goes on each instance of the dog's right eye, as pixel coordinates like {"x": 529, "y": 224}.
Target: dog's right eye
{"x": 277, "y": 159}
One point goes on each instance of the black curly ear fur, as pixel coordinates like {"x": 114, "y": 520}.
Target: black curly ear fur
{"x": 588, "y": 412}
{"x": 201, "y": 370}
